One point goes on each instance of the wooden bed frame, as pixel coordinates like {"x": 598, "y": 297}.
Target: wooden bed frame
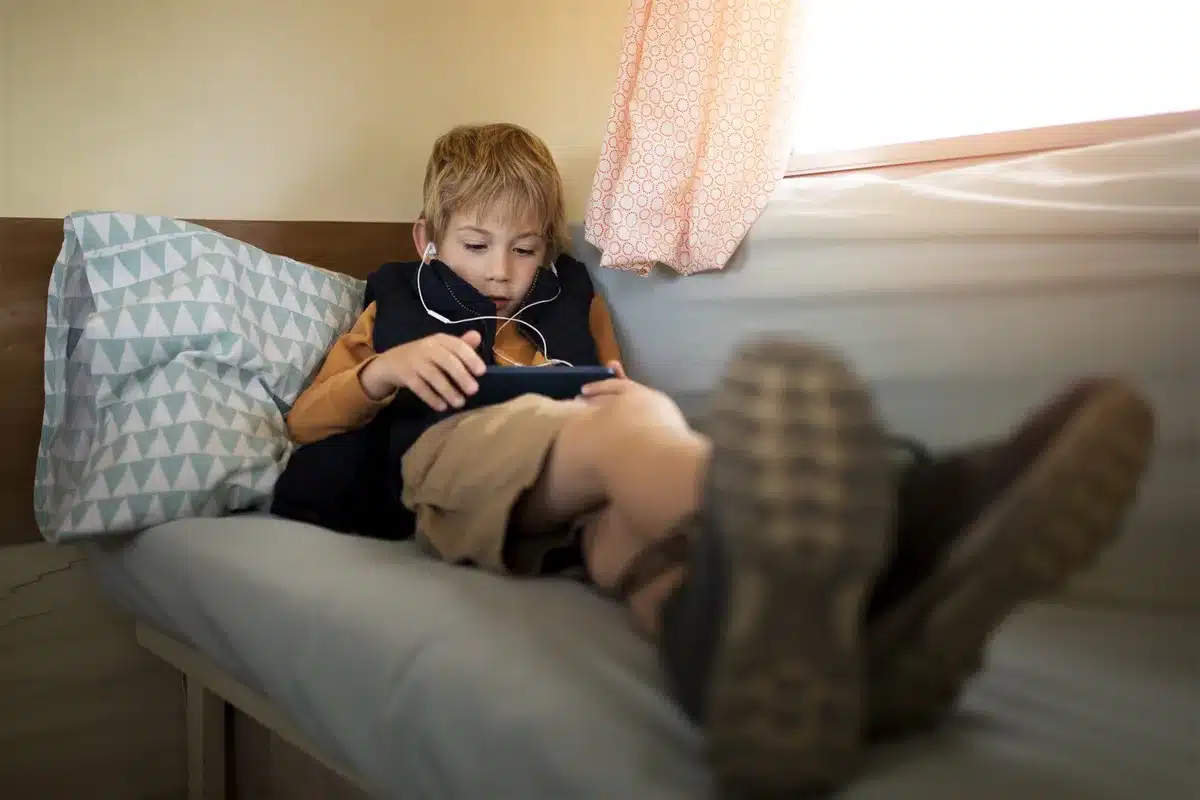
{"x": 212, "y": 698}
{"x": 238, "y": 743}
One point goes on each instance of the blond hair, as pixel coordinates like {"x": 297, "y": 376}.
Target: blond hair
{"x": 498, "y": 168}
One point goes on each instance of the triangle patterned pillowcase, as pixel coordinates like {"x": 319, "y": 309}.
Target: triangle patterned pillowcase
{"x": 172, "y": 354}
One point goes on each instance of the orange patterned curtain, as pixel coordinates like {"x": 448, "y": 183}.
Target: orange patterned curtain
{"x": 699, "y": 132}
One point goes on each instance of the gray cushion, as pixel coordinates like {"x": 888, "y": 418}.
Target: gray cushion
{"x": 436, "y": 681}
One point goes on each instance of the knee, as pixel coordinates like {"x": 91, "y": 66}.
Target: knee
{"x": 613, "y": 420}
{"x": 643, "y": 406}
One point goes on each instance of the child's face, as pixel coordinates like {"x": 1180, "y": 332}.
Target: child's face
{"x": 499, "y": 258}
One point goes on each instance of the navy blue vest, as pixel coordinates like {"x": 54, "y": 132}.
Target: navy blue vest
{"x": 352, "y": 482}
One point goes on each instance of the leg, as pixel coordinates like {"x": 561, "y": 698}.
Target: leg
{"x": 609, "y": 543}
{"x": 498, "y": 486}
{"x": 205, "y": 742}
{"x": 983, "y": 531}
{"x": 769, "y": 535}
{"x": 787, "y": 511}
{"x": 633, "y": 459}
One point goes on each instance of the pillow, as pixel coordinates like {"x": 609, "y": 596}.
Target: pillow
{"x": 172, "y": 354}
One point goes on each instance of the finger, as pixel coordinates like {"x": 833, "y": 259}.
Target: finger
{"x": 596, "y": 400}
{"x": 432, "y": 374}
{"x": 423, "y": 390}
{"x": 610, "y": 386}
{"x": 617, "y": 369}
{"x": 464, "y": 347}
{"x": 450, "y": 361}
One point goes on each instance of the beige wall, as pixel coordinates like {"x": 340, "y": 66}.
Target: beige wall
{"x": 285, "y": 109}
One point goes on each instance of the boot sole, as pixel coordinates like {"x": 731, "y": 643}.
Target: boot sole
{"x": 1054, "y": 520}
{"x": 799, "y": 483}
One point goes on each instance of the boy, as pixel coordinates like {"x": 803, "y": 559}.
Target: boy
{"x": 759, "y": 556}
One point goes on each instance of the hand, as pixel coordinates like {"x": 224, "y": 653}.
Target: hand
{"x": 646, "y": 406}
{"x": 440, "y": 369}
{"x": 612, "y": 386}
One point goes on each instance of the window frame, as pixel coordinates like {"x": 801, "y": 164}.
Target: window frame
{"x": 962, "y": 150}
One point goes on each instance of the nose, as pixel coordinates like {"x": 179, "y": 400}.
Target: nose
{"x": 500, "y": 270}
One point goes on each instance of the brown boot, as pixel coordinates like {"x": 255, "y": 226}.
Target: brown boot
{"x": 762, "y": 642}
{"x": 983, "y": 531}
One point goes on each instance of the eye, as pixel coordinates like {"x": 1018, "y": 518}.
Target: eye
{"x": 475, "y": 248}
{"x": 524, "y": 252}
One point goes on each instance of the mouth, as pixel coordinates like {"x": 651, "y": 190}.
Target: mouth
{"x": 499, "y": 300}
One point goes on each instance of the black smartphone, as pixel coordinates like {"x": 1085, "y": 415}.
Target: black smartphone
{"x": 499, "y": 384}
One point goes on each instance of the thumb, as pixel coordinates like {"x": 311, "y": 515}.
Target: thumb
{"x": 617, "y": 369}
{"x": 472, "y": 338}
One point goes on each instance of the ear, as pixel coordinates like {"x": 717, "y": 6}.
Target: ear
{"x": 420, "y": 236}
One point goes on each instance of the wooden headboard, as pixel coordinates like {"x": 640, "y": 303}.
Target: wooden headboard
{"x": 28, "y": 248}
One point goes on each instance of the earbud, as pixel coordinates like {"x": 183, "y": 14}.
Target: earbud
{"x": 430, "y": 252}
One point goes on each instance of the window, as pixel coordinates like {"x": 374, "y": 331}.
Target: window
{"x": 882, "y": 83}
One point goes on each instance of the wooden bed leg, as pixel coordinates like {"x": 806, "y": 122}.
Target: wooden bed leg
{"x": 206, "y": 717}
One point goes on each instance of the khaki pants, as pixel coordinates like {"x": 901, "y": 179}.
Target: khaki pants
{"x": 464, "y": 477}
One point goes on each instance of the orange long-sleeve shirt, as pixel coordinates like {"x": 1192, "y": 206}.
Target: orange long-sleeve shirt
{"x": 336, "y": 402}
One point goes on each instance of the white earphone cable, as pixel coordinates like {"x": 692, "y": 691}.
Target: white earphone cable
{"x": 431, "y": 250}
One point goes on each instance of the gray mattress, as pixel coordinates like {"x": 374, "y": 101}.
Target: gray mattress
{"x": 431, "y": 681}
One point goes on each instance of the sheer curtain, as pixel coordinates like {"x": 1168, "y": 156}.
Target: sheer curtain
{"x": 699, "y": 133}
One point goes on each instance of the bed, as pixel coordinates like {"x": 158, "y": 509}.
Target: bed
{"x": 413, "y": 679}
{"x": 395, "y": 676}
